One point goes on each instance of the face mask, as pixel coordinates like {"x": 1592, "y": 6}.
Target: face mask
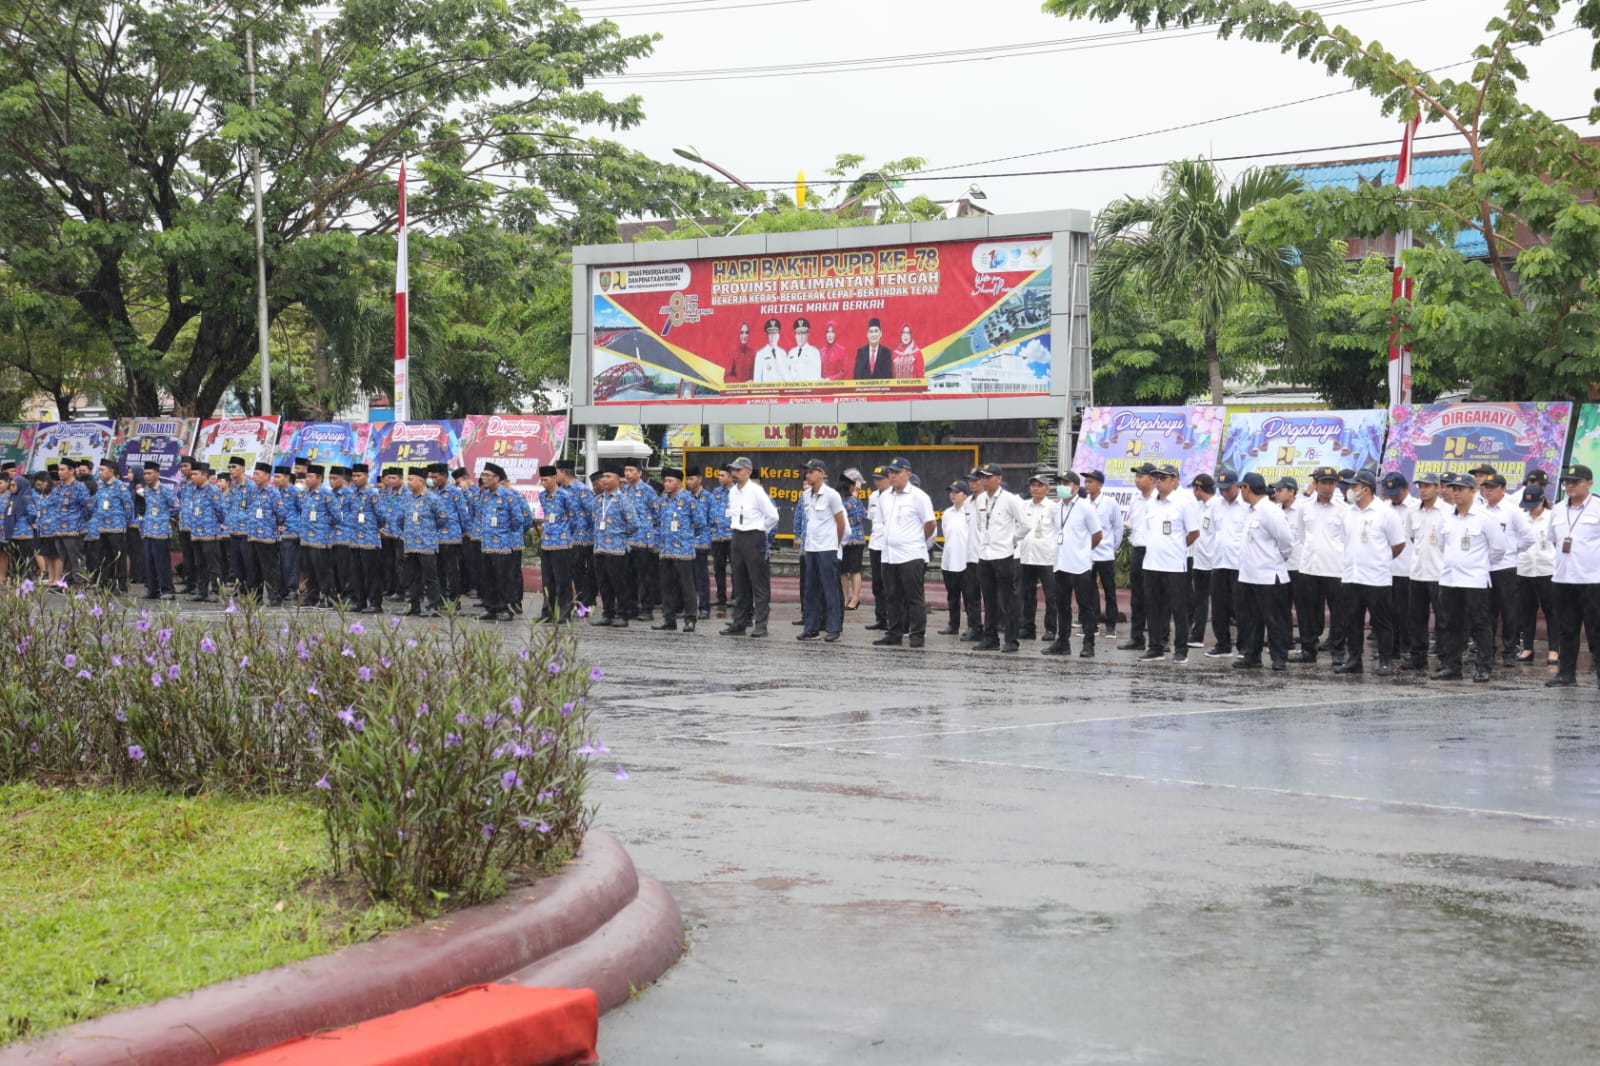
{"x": 1064, "y": 492}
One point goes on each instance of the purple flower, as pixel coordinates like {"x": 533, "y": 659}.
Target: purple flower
{"x": 509, "y": 780}
{"x": 357, "y": 628}
{"x": 347, "y": 716}
{"x": 86, "y": 675}
{"x": 79, "y": 596}
{"x": 232, "y": 608}
{"x": 25, "y": 588}
{"x": 383, "y": 661}
{"x": 488, "y": 831}
{"x": 347, "y": 652}
{"x": 34, "y": 747}
{"x": 554, "y": 668}
{"x": 596, "y": 674}
{"x": 155, "y": 679}
{"x": 622, "y": 775}
{"x": 150, "y": 660}
{"x": 26, "y": 643}
{"x": 411, "y": 642}
{"x": 414, "y": 748}
{"x": 422, "y": 711}
{"x": 173, "y": 672}
{"x": 302, "y": 651}
{"x": 581, "y": 610}
{"x": 116, "y": 660}
{"x": 491, "y": 720}
{"x": 95, "y": 611}
{"x": 587, "y": 749}
{"x": 70, "y": 661}
{"x": 142, "y": 625}
{"x": 359, "y": 725}
{"x": 567, "y": 708}
{"x": 451, "y": 740}
{"x": 601, "y": 748}
{"x": 311, "y": 689}
{"x": 120, "y": 717}
{"x": 516, "y": 704}
{"x": 135, "y": 752}
{"x": 542, "y": 827}
{"x": 207, "y": 645}
{"x": 394, "y": 622}
{"x": 462, "y": 719}
{"x": 163, "y": 636}
{"x": 365, "y": 673}
{"x": 322, "y": 782}
{"x": 244, "y": 662}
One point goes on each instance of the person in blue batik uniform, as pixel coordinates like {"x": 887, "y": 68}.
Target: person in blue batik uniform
{"x": 263, "y": 517}
{"x": 288, "y": 532}
{"x": 702, "y": 545}
{"x": 721, "y": 535}
{"x": 363, "y": 526}
{"x": 155, "y": 532}
{"x": 113, "y": 512}
{"x": 505, "y": 520}
{"x": 615, "y": 526}
{"x": 583, "y": 577}
{"x": 642, "y": 562}
{"x": 557, "y": 544}
{"x": 393, "y": 549}
{"x": 449, "y": 547}
{"x": 319, "y": 529}
{"x": 207, "y": 513}
{"x": 680, "y": 525}
{"x": 240, "y": 568}
{"x": 472, "y": 493}
{"x": 423, "y": 517}
{"x": 72, "y": 510}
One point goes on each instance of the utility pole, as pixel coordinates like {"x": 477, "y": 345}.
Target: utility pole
{"x": 261, "y": 241}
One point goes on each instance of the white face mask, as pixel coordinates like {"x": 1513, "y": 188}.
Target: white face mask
{"x": 1066, "y": 492}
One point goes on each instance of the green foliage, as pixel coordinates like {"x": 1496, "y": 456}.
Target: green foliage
{"x": 1521, "y": 324}
{"x": 114, "y": 898}
{"x": 48, "y": 345}
{"x": 407, "y": 742}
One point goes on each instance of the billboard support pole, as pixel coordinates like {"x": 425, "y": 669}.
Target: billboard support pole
{"x": 591, "y": 448}
{"x": 1064, "y": 443}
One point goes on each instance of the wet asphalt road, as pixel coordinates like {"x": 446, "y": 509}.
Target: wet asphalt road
{"x": 897, "y": 856}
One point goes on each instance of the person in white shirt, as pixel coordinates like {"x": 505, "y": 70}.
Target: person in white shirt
{"x": 823, "y": 512}
{"x": 1105, "y": 553}
{"x": 1575, "y": 532}
{"x": 805, "y": 360}
{"x": 1076, "y": 527}
{"x": 1425, "y": 531}
{"x": 1263, "y": 588}
{"x": 1535, "y": 565}
{"x": 959, "y": 565}
{"x": 1144, "y": 489}
{"x": 880, "y": 600}
{"x": 772, "y": 361}
{"x": 998, "y": 522}
{"x": 1504, "y": 599}
{"x": 1318, "y": 590}
{"x": 1227, "y": 513}
{"x": 1373, "y": 537}
{"x": 1036, "y": 554}
{"x": 751, "y": 515}
{"x": 908, "y": 525}
{"x": 1397, "y": 495}
{"x": 1169, "y": 528}
{"x": 1286, "y": 494}
{"x": 1204, "y": 488}
{"x": 1472, "y": 547}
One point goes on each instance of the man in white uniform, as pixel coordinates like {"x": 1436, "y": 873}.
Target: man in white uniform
{"x": 772, "y": 361}
{"x": 958, "y": 564}
{"x": 1504, "y": 601}
{"x": 1227, "y": 531}
{"x": 1105, "y": 553}
{"x": 1144, "y": 490}
{"x": 1575, "y": 531}
{"x": 823, "y": 510}
{"x": 805, "y": 360}
{"x": 1318, "y": 589}
{"x": 1472, "y": 547}
{"x": 998, "y": 521}
{"x": 1425, "y": 531}
{"x": 1263, "y": 590}
{"x": 1036, "y": 554}
{"x": 1373, "y": 537}
{"x": 1169, "y": 528}
{"x": 1397, "y": 495}
{"x": 908, "y": 523}
{"x": 1076, "y": 526}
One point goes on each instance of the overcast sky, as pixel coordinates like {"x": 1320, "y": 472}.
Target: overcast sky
{"x": 965, "y": 116}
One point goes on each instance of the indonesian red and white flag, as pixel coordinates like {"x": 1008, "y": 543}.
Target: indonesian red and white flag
{"x": 402, "y": 323}
{"x": 1403, "y": 287}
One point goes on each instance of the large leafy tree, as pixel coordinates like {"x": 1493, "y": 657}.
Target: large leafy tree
{"x": 1184, "y": 253}
{"x": 1523, "y": 321}
{"x": 125, "y": 138}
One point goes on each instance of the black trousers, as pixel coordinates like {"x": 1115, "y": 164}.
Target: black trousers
{"x": 1399, "y": 608}
{"x": 1199, "y": 601}
{"x": 1577, "y": 606}
{"x": 677, "y": 589}
{"x": 721, "y": 552}
{"x": 492, "y": 586}
{"x": 558, "y": 593}
{"x": 109, "y": 556}
{"x": 1137, "y": 593}
{"x": 908, "y": 603}
{"x": 1082, "y": 587}
{"x": 640, "y": 562}
{"x": 752, "y": 578}
{"x": 264, "y": 562}
{"x": 1462, "y": 611}
{"x": 70, "y": 550}
{"x": 615, "y": 591}
{"x": 585, "y": 585}
{"x": 449, "y": 566}
{"x": 343, "y": 572}
{"x": 1030, "y": 577}
{"x": 289, "y": 565}
{"x": 1317, "y": 597}
{"x": 241, "y": 563}
{"x": 158, "y": 566}
{"x": 509, "y": 569}
{"x": 961, "y": 589}
{"x": 1224, "y": 604}
{"x": 317, "y": 567}
{"x": 471, "y": 565}
{"x": 1263, "y": 612}
{"x": 1360, "y": 603}
{"x": 1168, "y": 594}
{"x": 186, "y": 565}
{"x": 822, "y": 605}
{"x": 880, "y": 609}
{"x": 133, "y": 548}
{"x": 394, "y": 566}
{"x": 366, "y": 573}
{"x": 1105, "y": 576}
{"x": 702, "y": 577}
{"x": 1422, "y": 598}
{"x": 422, "y": 573}
{"x": 1538, "y": 594}
{"x": 207, "y": 567}
{"x": 1504, "y": 605}
{"x": 997, "y": 584}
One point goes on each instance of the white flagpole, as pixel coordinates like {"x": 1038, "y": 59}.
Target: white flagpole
{"x": 402, "y": 321}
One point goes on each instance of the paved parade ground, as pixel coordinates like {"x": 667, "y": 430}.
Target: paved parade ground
{"x": 899, "y": 856}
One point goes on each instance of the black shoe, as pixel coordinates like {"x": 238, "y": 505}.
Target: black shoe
{"x": 1414, "y": 663}
{"x": 886, "y": 642}
{"x": 664, "y": 624}
{"x": 151, "y": 596}
{"x": 1131, "y": 645}
{"x": 373, "y": 609}
{"x": 1057, "y": 648}
{"x": 810, "y": 634}
{"x": 876, "y": 625}
{"x": 1111, "y": 631}
{"x": 1348, "y": 666}
{"x": 970, "y": 636}
{"x": 270, "y": 603}
{"x": 948, "y": 631}
{"x": 645, "y": 616}
{"x": 798, "y": 622}
{"x": 832, "y": 637}
{"x": 1509, "y": 659}
{"x": 1480, "y": 676}
{"x": 1247, "y": 664}
{"x": 1010, "y": 648}
{"x": 987, "y": 645}
{"x": 600, "y": 622}
{"x": 1562, "y": 681}
{"x": 489, "y": 616}
{"x": 759, "y": 631}
{"x": 688, "y": 625}
{"x": 1087, "y": 652}
{"x": 1303, "y": 657}
{"x": 1049, "y": 634}
{"x": 1181, "y": 655}
{"x": 1280, "y": 664}
{"x": 917, "y": 642}
{"x": 1220, "y": 651}
{"x": 720, "y": 603}
{"x": 705, "y": 612}
{"x": 1445, "y": 673}
{"x": 619, "y": 623}
{"x": 1385, "y": 668}
{"x": 732, "y": 630}
{"x": 1151, "y": 656}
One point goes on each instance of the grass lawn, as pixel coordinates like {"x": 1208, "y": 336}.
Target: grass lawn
{"x": 111, "y": 899}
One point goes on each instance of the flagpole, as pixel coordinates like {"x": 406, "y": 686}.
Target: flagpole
{"x": 402, "y": 321}
{"x": 261, "y": 242}
{"x": 1403, "y": 288}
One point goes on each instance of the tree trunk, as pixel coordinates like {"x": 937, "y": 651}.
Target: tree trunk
{"x": 64, "y": 406}
{"x": 1214, "y": 367}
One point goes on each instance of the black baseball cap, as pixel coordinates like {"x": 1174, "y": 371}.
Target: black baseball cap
{"x": 1482, "y": 468}
{"x": 1095, "y": 475}
{"x": 1166, "y": 470}
{"x": 1145, "y": 468}
{"x": 1285, "y": 482}
{"x": 1325, "y": 473}
{"x": 1533, "y": 496}
{"x": 1227, "y": 478}
{"x": 1536, "y": 477}
{"x": 1204, "y": 481}
{"x": 1576, "y": 472}
{"x": 1395, "y": 482}
{"x": 1429, "y": 478}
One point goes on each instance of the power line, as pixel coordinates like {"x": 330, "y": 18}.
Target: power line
{"x": 710, "y": 8}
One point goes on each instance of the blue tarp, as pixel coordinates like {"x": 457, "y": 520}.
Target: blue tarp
{"x": 1428, "y": 170}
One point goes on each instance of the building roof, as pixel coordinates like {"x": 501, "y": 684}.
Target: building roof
{"x": 1429, "y": 168}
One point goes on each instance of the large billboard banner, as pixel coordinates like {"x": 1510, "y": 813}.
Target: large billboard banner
{"x": 812, "y": 435}
{"x": 1586, "y": 439}
{"x": 327, "y": 443}
{"x": 407, "y": 444}
{"x": 937, "y": 320}
{"x": 54, "y": 441}
{"x": 1292, "y": 444}
{"x": 521, "y": 444}
{"x": 254, "y": 440}
{"x": 1114, "y": 440}
{"x": 16, "y": 442}
{"x": 153, "y": 440}
{"x": 1455, "y": 437}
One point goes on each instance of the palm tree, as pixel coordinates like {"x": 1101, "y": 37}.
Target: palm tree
{"x": 1183, "y": 252}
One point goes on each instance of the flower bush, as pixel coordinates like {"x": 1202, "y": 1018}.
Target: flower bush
{"x": 441, "y": 759}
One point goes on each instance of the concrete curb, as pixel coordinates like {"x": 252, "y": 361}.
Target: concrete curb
{"x": 554, "y": 918}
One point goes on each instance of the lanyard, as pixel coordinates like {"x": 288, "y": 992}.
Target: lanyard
{"x": 1571, "y": 521}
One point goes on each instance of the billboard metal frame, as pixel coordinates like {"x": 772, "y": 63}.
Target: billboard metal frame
{"x": 1070, "y": 378}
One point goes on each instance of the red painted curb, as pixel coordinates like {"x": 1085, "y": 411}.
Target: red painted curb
{"x": 631, "y": 950}
{"x": 365, "y": 981}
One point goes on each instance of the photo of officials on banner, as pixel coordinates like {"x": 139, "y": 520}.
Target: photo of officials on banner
{"x": 944, "y": 319}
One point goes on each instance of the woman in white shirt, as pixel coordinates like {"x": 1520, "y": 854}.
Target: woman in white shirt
{"x": 1535, "y": 567}
{"x": 959, "y": 564}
